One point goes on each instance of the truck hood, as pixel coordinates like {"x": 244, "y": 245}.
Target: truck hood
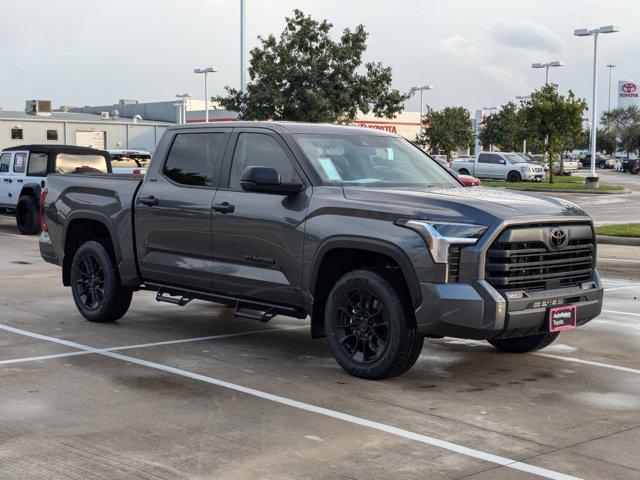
{"x": 475, "y": 204}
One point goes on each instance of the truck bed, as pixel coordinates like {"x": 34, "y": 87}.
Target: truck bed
{"x": 104, "y": 197}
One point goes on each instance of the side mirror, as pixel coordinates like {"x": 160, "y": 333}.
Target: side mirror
{"x": 267, "y": 180}
{"x": 503, "y": 161}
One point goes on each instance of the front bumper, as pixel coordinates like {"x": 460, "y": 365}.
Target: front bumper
{"x": 477, "y": 310}
{"x": 533, "y": 176}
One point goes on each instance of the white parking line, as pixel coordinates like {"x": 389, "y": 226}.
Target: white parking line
{"x": 143, "y": 345}
{"x": 622, "y": 313}
{"x": 626, "y": 260}
{"x": 426, "y": 439}
{"x": 588, "y": 362}
{"x": 609, "y": 289}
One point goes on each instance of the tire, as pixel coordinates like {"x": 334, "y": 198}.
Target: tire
{"x": 524, "y": 344}
{"x": 28, "y": 215}
{"x": 96, "y": 288}
{"x": 635, "y": 169}
{"x": 514, "y": 177}
{"x": 364, "y": 311}
{"x": 463, "y": 171}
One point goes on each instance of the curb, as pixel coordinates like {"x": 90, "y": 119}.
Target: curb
{"x": 565, "y": 190}
{"x": 611, "y": 240}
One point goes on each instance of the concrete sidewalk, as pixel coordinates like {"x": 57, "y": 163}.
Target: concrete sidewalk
{"x": 619, "y": 261}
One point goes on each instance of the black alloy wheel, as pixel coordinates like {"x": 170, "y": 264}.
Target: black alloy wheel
{"x": 90, "y": 282}
{"x": 362, "y": 325}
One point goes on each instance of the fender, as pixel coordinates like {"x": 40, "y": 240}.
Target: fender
{"x": 36, "y": 187}
{"x": 98, "y": 217}
{"x": 374, "y": 245}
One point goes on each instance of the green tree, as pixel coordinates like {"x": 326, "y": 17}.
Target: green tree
{"x": 304, "y": 75}
{"x": 622, "y": 122}
{"x": 553, "y": 119}
{"x": 605, "y": 142}
{"x": 447, "y": 130}
{"x": 504, "y": 129}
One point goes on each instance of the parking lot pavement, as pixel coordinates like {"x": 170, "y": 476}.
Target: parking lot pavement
{"x": 188, "y": 392}
{"x": 608, "y": 209}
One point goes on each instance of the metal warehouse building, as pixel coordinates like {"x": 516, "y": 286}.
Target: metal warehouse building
{"x": 39, "y": 125}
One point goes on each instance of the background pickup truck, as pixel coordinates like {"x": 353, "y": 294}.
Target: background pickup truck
{"x": 511, "y": 167}
{"x": 358, "y": 229}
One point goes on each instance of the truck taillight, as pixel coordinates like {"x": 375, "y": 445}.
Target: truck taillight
{"x": 137, "y": 172}
{"x": 43, "y": 195}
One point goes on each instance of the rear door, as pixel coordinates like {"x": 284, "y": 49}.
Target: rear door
{"x": 483, "y": 166}
{"x": 258, "y": 237}
{"x": 173, "y": 210}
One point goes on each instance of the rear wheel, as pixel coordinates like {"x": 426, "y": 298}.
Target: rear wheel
{"x": 28, "y": 215}
{"x": 514, "y": 177}
{"x": 96, "y": 288}
{"x": 524, "y": 344}
{"x": 463, "y": 171}
{"x": 368, "y": 328}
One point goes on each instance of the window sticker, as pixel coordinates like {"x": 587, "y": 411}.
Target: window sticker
{"x": 329, "y": 169}
{"x": 390, "y": 153}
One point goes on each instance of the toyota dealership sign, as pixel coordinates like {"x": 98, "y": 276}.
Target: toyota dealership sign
{"x": 628, "y": 93}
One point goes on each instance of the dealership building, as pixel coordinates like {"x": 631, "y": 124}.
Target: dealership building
{"x": 38, "y": 124}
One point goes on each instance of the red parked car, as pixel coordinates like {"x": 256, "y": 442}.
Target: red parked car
{"x": 469, "y": 181}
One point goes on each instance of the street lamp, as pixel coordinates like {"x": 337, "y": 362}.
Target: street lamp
{"x": 422, "y": 89}
{"x": 610, "y": 67}
{"x": 243, "y": 44}
{"x": 585, "y": 32}
{"x": 183, "y": 110}
{"x": 524, "y": 142}
{"x": 555, "y": 63}
{"x": 206, "y": 98}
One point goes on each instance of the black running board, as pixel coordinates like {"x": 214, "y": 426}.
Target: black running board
{"x": 181, "y": 296}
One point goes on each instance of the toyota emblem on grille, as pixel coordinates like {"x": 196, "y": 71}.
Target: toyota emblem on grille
{"x": 558, "y": 238}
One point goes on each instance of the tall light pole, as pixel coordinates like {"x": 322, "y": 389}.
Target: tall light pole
{"x": 421, "y": 90}
{"x": 183, "y": 109}
{"x": 555, "y": 63}
{"x": 610, "y": 67}
{"x": 585, "y": 32}
{"x": 524, "y": 141}
{"x": 206, "y": 97}
{"x": 243, "y": 45}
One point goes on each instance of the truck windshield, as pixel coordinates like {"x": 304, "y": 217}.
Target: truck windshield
{"x": 355, "y": 159}
{"x": 515, "y": 158}
{"x": 73, "y": 163}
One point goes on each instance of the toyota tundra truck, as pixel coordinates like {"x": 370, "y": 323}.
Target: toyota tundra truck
{"x": 355, "y": 228}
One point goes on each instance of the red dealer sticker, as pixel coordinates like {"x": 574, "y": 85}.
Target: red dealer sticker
{"x": 562, "y": 318}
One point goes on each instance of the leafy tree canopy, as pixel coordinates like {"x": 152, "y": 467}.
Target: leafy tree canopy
{"x": 304, "y": 75}
{"x": 447, "y": 130}
{"x": 504, "y": 129}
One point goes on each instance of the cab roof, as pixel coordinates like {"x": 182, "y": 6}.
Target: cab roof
{"x": 290, "y": 127}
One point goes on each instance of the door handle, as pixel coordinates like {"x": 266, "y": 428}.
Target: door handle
{"x": 20, "y": 180}
{"x": 149, "y": 201}
{"x": 224, "y": 207}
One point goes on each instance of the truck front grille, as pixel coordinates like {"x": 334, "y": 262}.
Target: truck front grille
{"x": 525, "y": 258}
{"x": 453, "y": 264}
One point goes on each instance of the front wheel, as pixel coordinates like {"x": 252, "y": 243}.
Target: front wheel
{"x": 524, "y": 344}
{"x": 369, "y": 329}
{"x": 514, "y": 177}
{"x": 96, "y": 288}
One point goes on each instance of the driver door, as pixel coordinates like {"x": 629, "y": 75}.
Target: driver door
{"x": 258, "y": 237}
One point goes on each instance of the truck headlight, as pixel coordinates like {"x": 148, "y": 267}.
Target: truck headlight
{"x": 440, "y": 235}
{"x": 527, "y": 169}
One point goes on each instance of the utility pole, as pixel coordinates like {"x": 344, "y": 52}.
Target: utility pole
{"x": 610, "y": 67}
{"x": 243, "y": 45}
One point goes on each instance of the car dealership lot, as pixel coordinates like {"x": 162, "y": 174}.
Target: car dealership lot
{"x": 203, "y": 394}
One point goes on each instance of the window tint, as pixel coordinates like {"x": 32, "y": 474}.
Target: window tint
{"x": 52, "y": 134}
{"x": 19, "y": 162}
{"x": 37, "y": 164}
{"x": 16, "y": 134}
{"x": 486, "y": 158}
{"x": 194, "y": 157}
{"x": 69, "y": 163}
{"x": 260, "y": 150}
{"x": 5, "y": 160}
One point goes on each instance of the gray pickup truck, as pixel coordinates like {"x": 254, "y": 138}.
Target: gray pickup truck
{"x": 358, "y": 229}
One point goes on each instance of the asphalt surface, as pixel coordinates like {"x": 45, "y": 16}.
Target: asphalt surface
{"x": 192, "y": 392}
{"x": 608, "y": 209}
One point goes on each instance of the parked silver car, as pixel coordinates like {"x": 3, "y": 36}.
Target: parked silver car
{"x": 512, "y": 167}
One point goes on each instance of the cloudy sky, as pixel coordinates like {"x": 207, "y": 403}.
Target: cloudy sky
{"x": 475, "y": 53}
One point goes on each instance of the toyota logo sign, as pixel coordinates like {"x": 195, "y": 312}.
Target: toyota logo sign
{"x": 628, "y": 87}
{"x": 558, "y": 238}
